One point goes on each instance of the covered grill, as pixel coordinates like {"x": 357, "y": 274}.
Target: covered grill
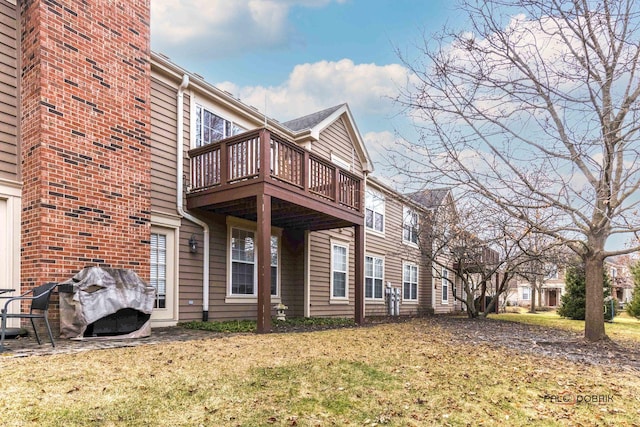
{"x": 105, "y": 302}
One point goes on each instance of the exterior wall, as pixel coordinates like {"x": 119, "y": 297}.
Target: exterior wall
{"x": 389, "y": 246}
{"x": 335, "y": 140}
{"x": 164, "y": 89}
{"x": 85, "y": 128}
{"x": 9, "y": 149}
{"x": 10, "y": 178}
{"x": 321, "y": 304}
{"x": 439, "y": 306}
{"x": 10, "y": 209}
{"x": 292, "y": 271}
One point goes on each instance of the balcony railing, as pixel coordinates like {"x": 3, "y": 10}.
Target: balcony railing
{"x": 239, "y": 159}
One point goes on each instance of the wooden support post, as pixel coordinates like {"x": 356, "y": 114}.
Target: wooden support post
{"x": 265, "y": 154}
{"x": 336, "y": 184}
{"x": 359, "y": 279}
{"x": 263, "y": 246}
{"x": 306, "y": 167}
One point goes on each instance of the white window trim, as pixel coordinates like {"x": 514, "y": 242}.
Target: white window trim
{"x": 417, "y": 299}
{"x": 246, "y": 225}
{"x": 161, "y": 224}
{"x": 526, "y": 289}
{"x": 444, "y": 283}
{"x": 374, "y": 299}
{"x": 383, "y": 213}
{"x": 409, "y": 242}
{"x": 345, "y": 299}
{"x": 339, "y": 161}
{"x": 194, "y": 102}
{"x": 11, "y": 194}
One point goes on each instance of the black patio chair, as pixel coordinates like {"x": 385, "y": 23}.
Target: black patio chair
{"x": 40, "y": 297}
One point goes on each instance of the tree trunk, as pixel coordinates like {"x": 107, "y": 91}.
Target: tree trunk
{"x": 472, "y": 311}
{"x": 532, "y": 309}
{"x": 594, "y": 315}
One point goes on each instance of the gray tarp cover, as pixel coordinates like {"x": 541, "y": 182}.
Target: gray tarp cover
{"x": 99, "y": 292}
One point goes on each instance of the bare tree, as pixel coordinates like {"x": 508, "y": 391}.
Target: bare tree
{"x": 483, "y": 249}
{"x": 534, "y": 107}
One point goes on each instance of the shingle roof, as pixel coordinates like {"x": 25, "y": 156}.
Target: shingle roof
{"x": 430, "y": 198}
{"x": 310, "y": 120}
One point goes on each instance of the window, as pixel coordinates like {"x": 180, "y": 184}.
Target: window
{"x": 614, "y": 272}
{"x": 526, "y": 293}
{"x": 244, "y": 279}
{"x": 409, "y": 225}
{"x": 211, "y": 128}
{"x": 339, "y": 266}
{"x": 410, "y": 282}
{"x": 552, "y": 272}
{"x": 274, "y": 265}
{"x": 445, "y": 286}
{"x": 374, "y": 211}
{"x": 159, "y": 268}
{"x": 339, "y": 161}
{"x": 373, "y": 277}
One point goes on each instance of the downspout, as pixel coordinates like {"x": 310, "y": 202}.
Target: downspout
{"x": 363, "y": 203}
{"x": 180, "y": 196}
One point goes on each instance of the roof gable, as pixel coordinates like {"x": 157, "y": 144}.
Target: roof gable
{"x": 310, "y": 126}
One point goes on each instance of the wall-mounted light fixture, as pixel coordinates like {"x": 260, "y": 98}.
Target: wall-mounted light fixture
{"x": 193, "y": 244}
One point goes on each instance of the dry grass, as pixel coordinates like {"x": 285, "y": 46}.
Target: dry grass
{"x": 623, "y": 326}
{"x": 408, "y": 374}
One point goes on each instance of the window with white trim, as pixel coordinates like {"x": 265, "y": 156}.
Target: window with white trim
{"x": 374, "y": 211}
{"x": 339, "y": 271}
{"x": 445, "y": 286}
{"x": 244, "y": 277}
{"x": 526, "y": 293}
{"x": 211, "y": 128}
{"x": 373, "y": 277}
{"x": 158, "y": 277}
{"x": 409, "y": 282}
{"x": 409, "y": 225}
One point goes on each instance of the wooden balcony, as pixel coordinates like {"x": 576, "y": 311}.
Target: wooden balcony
{"x": 308, "y": 191}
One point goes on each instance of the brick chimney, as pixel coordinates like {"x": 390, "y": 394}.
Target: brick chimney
{"x": 85, "y": 118}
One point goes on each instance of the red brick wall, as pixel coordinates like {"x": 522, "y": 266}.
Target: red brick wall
{"x": 85, "y": 93}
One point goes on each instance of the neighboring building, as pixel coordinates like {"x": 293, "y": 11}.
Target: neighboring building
{"x": 553, "y": 285}
{"x": 114, "y": 156}
{"x": 621, "y": 278}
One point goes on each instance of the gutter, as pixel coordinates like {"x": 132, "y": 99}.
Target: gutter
{"x": 180, "y": 196}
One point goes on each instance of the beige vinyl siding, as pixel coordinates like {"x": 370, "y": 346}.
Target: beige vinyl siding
{"x": 163, "y": 148}
{"x": 437, "y": 281}
{"x": 163, "y": 193}
{"x": 292, "y": 271}
{"x": 9, "y": 148}
{"x": 335, "y": 139}
{"x": 320, "y": 273}
{"x": 390, "y": 246}
{"x": 190, "y": 273}
{"x": 291, "y": 265}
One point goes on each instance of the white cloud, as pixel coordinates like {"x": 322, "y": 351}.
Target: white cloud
{"x": 367, "y": 88}
{"x": 222, "y": 27}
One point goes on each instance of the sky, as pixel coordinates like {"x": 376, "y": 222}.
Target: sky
{"x": 289, "y": 58}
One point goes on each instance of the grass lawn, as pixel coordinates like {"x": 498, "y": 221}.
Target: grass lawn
{"x": 407, "y": 374}
{"x": 623, "y": 327}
